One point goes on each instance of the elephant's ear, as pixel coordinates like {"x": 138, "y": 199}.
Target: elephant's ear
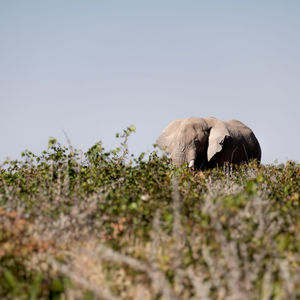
{"x": 167, "y": 138}
{"x": 217, "y": 135}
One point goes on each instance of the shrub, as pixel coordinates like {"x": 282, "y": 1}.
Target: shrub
{"x": 109, "y": 225}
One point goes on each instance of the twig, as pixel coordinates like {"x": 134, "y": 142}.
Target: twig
{"x": 101, "y": 292}
{"x": 158, "y": 279}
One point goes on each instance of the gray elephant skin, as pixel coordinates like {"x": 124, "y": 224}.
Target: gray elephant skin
{"x": 205, "y": 143}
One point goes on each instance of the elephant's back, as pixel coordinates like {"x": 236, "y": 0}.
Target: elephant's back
{"x": 248, "y": 143}
{"x": 239, "y": 130}
{"x": 237, "y": 127}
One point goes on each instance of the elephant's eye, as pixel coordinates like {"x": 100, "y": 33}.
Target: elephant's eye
{"x": 197, "y": 142}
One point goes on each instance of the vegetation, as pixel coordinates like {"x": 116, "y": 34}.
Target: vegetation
{"x": 103, "y": 224}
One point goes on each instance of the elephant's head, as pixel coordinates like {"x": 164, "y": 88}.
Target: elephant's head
{"x": 193, "y": 141}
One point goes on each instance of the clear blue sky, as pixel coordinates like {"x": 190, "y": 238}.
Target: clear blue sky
{"x": 93, "y": 67}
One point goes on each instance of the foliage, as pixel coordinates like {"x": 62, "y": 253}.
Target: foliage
{"x": 108, "y": 225}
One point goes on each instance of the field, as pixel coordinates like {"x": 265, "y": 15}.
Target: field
{"x": 106, "y": 225}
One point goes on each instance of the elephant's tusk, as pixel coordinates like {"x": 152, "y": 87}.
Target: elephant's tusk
{"x": 192, "y": 163}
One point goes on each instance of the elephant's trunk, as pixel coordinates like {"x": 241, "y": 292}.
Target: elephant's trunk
{"x": 184, "y": 155}
{"x": 178, "y": 157}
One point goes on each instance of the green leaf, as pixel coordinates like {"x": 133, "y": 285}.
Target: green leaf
{"x": 51, "y": 142}
{"x": 10, "y": 279}
{"x": 132, "y": 128}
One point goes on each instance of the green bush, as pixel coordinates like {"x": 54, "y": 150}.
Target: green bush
{"x": 107, "y": 224}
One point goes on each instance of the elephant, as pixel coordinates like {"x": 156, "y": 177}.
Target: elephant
{"x": 205, "y": 143}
